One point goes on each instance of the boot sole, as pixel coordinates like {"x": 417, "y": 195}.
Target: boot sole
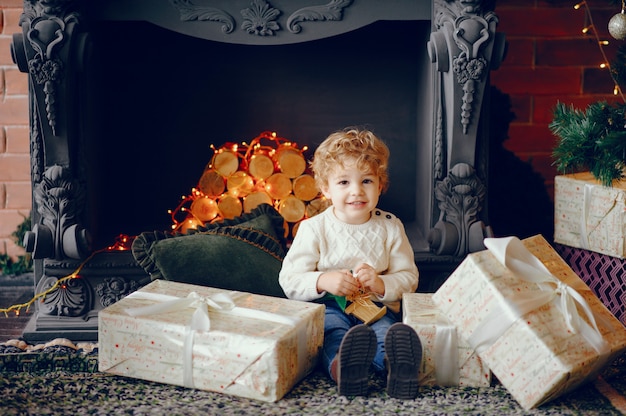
{"x": 404, "y": 355}
{"x": 356, "y": 353}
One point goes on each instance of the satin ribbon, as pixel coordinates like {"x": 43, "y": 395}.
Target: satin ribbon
{"x": 584, "y": 221}
{"x": 445, "y": 349}
{"x": 201, "y": 322}
{"x": 512, "y": 253}
{"x": 584, "y": 240}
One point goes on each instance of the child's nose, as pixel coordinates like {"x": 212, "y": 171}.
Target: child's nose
{"x": 356, "y": 188}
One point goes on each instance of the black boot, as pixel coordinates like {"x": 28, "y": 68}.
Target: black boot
{"x": 403, "y": 351}
{"x": 354, "y": 360}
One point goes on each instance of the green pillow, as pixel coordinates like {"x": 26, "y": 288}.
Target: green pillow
{"x": 244, "y": 253}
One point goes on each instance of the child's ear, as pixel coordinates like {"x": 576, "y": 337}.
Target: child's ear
{"x": 324, "y": 189}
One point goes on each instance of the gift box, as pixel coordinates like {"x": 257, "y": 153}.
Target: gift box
{"x": 447, "y": 359}
{"x": 532, "y": 320}
{"x": 211, "y": 339}
{"x": 589, "y": 215}
{"x": 605, "y": 276}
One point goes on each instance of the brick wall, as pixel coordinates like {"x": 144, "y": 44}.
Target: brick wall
{"x": 15, "y": 194}
{"x": 548, "y": 60}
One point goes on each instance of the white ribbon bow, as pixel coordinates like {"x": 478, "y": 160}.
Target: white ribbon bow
{"x": 512, "y": 253}
{"x": 200, "y": 320}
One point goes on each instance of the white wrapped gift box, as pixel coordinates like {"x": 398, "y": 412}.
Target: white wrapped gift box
{"x": 590, "y": 215}
{"x": 447, "y": 359}
{"x": 236, "y": 343}
{"x": 534, "y": 322}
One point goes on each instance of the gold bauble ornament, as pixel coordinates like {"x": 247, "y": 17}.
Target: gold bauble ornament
{"x": 617, "y": 26}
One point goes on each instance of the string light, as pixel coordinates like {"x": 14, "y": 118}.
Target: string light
{"x": 590, "y": 28}
{"x": 229, "y": 190}
{"x": 122, "y": 242}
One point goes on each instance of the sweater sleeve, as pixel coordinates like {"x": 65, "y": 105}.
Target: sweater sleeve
{"x": 402, "y": 276}
{"x": 298, "y": 275}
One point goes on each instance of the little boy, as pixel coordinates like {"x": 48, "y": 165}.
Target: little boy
{"x": 354, "y": 251}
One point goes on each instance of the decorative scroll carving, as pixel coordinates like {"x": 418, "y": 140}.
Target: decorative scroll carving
{"x": 460, "y": 196}
{"x": 330, "y": 11}
{"x": 49, "y": 50}
{"x": 260, "y": 19}
{"x": 463, "y": 48}
{"x": 72, "y": 298}
{"x": 58, "y": 200}
{"x": 468, "y": 45}
{"x": 190, "y": 12}
{"x": 469, "y": 68}
{"x": 47, "y": 35}
{"x": 115, "y": 288}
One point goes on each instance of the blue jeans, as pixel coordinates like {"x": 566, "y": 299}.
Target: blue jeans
{"x": 337, "y": 323}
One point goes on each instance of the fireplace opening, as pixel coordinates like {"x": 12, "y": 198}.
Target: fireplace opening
{"x": 155, "y": 100}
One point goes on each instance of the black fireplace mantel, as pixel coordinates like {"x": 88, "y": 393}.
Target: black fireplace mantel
{"x": 55, "y": 48}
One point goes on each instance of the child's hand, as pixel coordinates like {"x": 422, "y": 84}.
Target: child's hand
{"x": 338, "y": 283}
{"x": 369, "y": 279}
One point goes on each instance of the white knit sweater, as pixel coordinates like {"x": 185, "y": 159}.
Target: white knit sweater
{"x": 324, "y": 243}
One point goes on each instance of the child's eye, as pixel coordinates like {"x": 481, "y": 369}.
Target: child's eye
{"x": 342, "y": 182}
{"x": 368, "y": 181}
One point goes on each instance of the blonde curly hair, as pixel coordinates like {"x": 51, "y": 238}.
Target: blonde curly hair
{"x": 370, "y": 153}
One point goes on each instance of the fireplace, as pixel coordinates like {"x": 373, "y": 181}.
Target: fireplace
{"x": 128, "y": 96}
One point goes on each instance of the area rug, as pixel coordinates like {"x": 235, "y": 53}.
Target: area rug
{"x": 65, "y": 381}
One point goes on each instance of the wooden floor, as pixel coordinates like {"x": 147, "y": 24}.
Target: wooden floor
{"x": 14, "y": 291}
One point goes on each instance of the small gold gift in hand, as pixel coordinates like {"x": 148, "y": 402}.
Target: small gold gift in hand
{"x": 364, "y": 309}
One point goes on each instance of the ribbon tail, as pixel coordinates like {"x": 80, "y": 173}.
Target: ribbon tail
{"x": 447, "y": 357}
{"x": 200, "y": 321}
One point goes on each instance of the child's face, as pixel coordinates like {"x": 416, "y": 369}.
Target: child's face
{"x": 354, "y": 194}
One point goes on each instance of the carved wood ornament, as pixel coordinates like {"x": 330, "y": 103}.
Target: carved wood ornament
{"x": 463, "y": 48}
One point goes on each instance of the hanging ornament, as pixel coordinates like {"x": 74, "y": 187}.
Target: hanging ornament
{"x": 617, "y": 24}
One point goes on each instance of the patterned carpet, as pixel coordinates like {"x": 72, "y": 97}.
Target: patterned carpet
{"x": 60, "y": 380}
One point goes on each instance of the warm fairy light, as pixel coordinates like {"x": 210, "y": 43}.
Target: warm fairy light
{"x": 590, "y": 28}
{"x": 122, "y": 242}
{"x": 240, "y": 185}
